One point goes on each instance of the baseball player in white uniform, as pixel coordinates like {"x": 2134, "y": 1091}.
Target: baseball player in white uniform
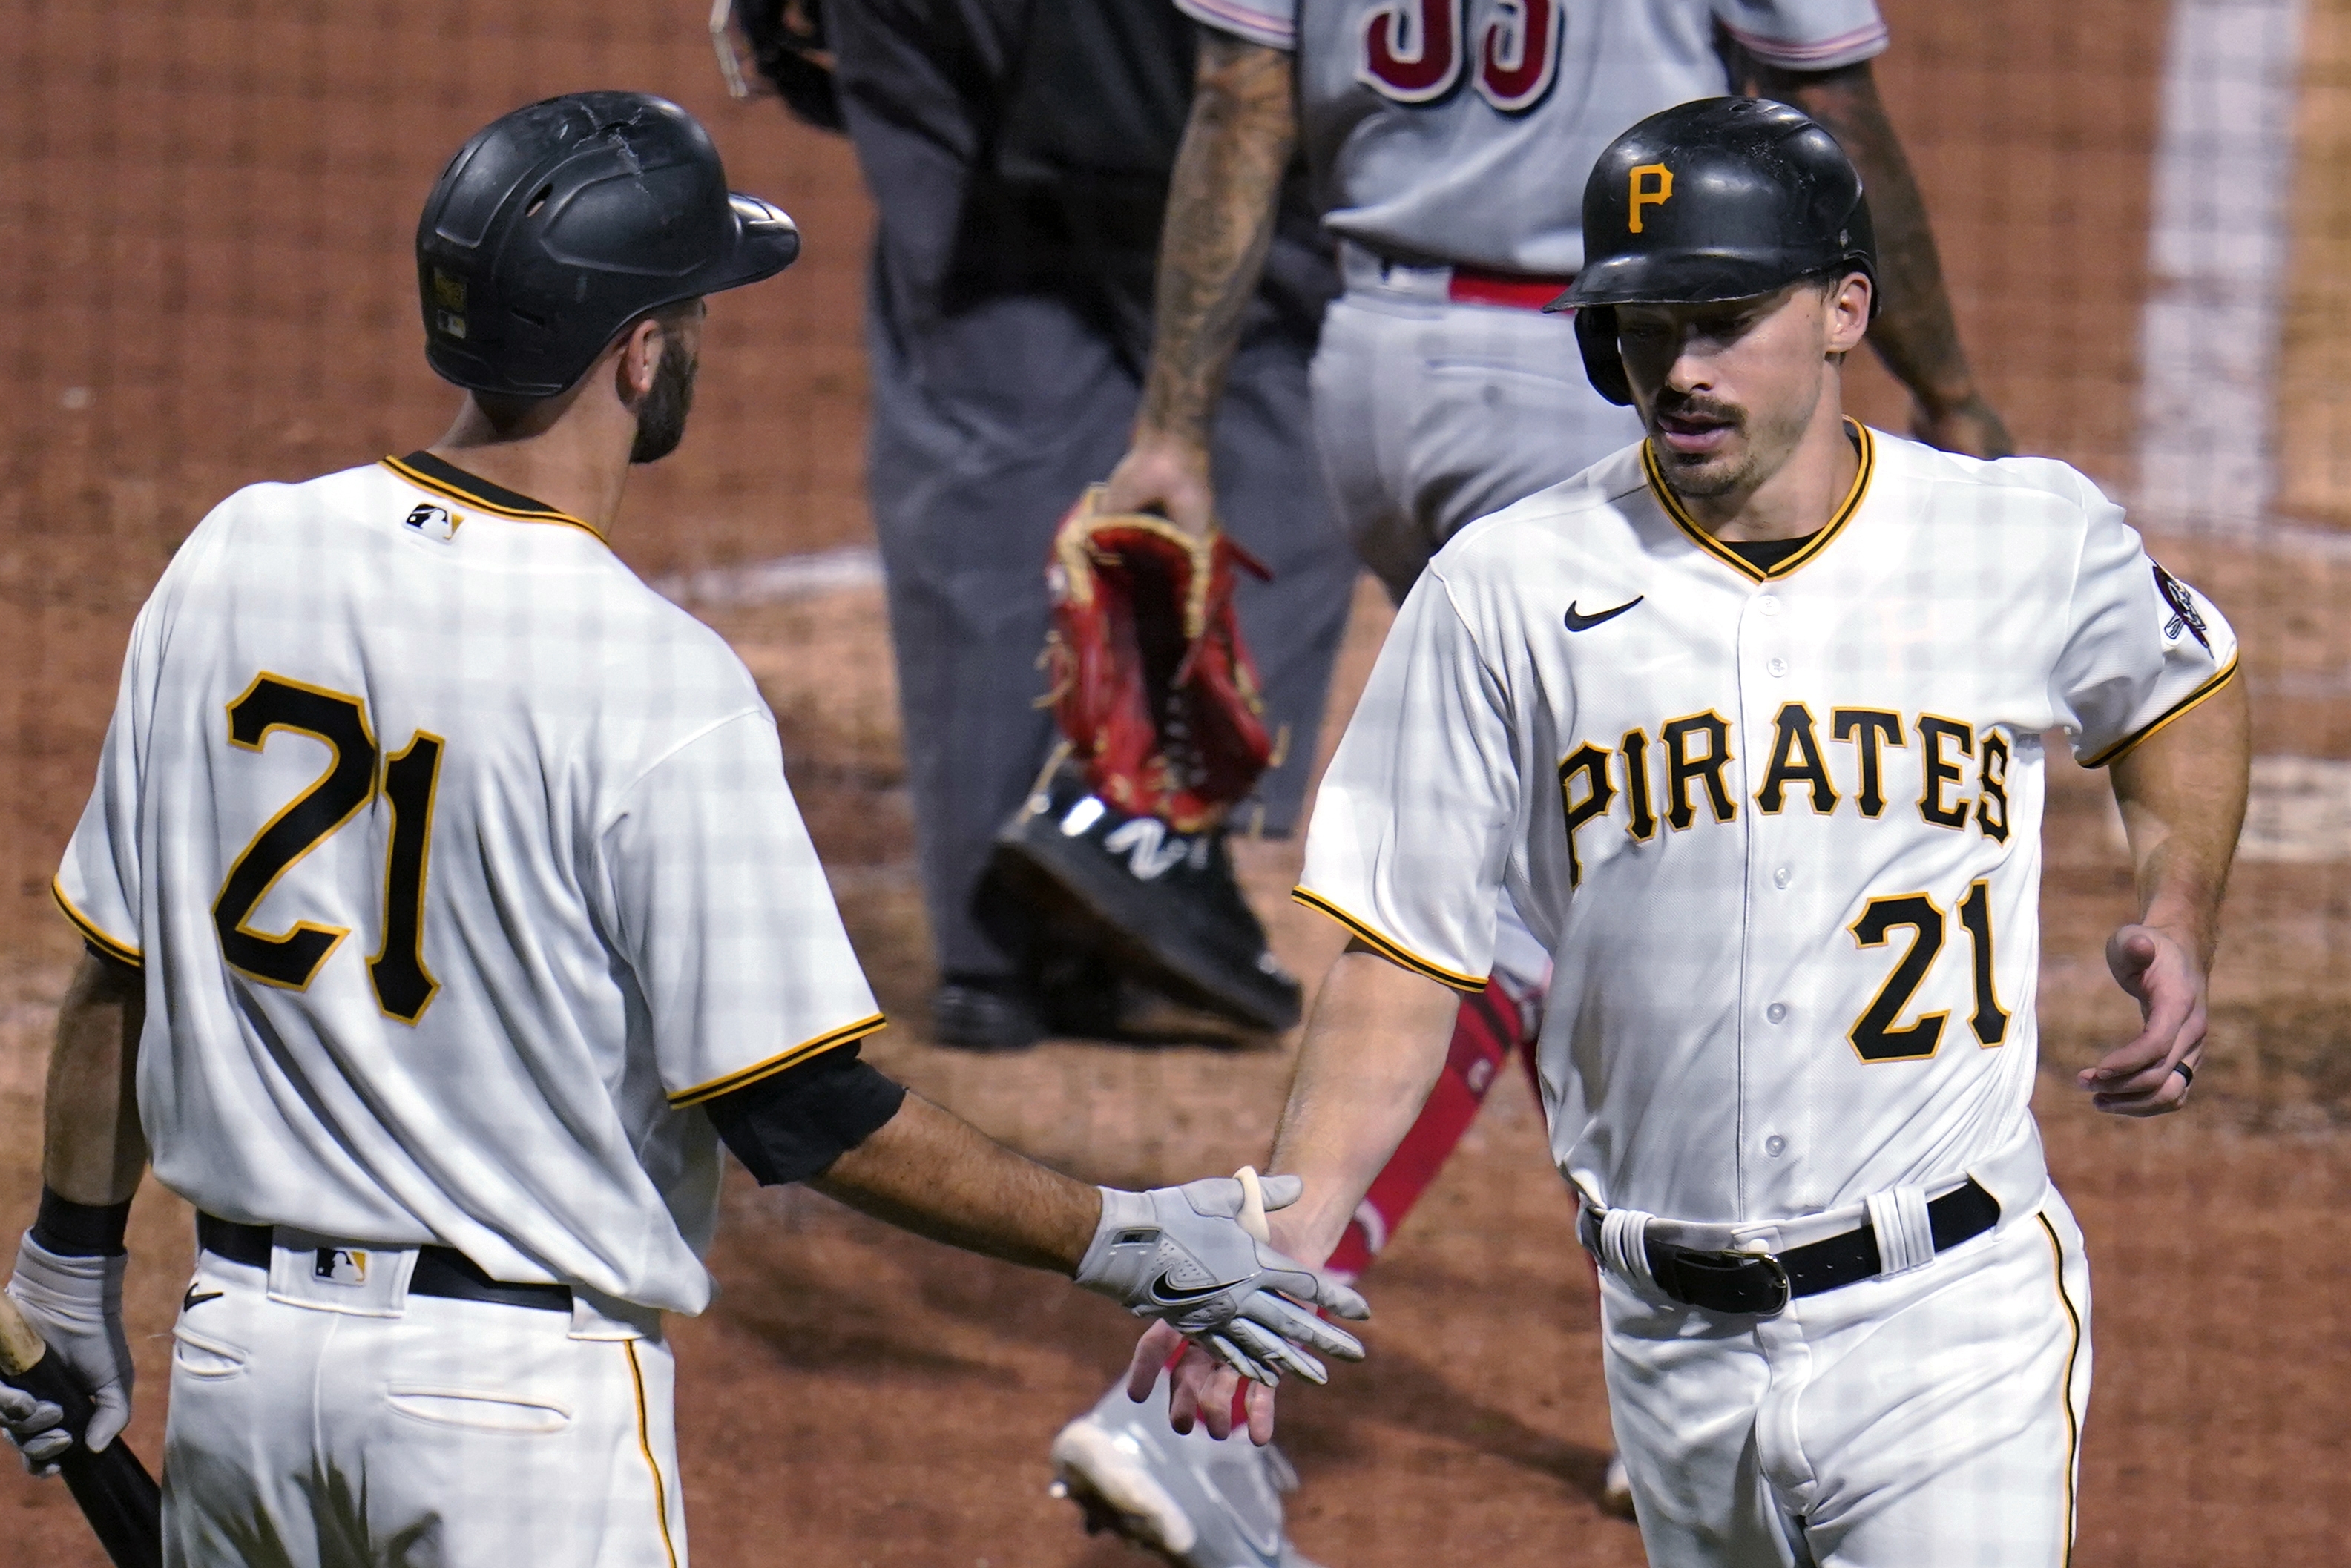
{"x": 1446, "y": 140}
{"x": 1749, "y": 719}
{"x": 447, "y": 907}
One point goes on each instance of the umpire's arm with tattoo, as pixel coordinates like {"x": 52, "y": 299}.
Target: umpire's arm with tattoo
{"x": 1222, "y": 198}
{"x": 1914, "y": 333}
{"x": 2182, "y": 794}
{"x": 93, "y": 1149}
{"x": 928, "y": 1171}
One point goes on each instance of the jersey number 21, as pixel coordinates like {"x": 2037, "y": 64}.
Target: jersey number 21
{"x": 403, "y": 988}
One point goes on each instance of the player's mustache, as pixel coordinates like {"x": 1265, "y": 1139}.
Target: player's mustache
{"x": 1682, "y": 406}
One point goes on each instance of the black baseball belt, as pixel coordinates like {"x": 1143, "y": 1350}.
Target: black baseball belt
{"x": 1763, "y": 1283}
{"x": 440, "y": 1270}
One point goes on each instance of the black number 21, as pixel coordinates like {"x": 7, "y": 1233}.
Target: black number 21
{"x": 1873, "y": 1034}
{"x": 403, "y": 988}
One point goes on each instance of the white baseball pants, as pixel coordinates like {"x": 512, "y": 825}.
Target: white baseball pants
{"x": 1925, "y": 1419}
{"x": 447, "y": 1435}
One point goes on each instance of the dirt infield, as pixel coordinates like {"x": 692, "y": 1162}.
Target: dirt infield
{"x": 222, "y": 201}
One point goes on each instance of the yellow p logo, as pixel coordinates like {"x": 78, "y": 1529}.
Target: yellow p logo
{"x": 1653, "y": 193}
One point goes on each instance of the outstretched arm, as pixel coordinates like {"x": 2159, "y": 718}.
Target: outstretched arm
{"x": 1914, "y": 332}
{"x": 2182, "y": 793}
{"x": 930, "y": 1172}
{"x": 1374, "y": 1049}
{"x": 1221, "y": 203}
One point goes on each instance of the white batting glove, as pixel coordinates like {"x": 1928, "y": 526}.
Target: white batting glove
{"x": 1183, "y": 1255}
{"x": 76, "y": 1305}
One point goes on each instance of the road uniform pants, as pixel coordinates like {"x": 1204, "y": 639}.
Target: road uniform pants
{"x": 326, "y": 1425}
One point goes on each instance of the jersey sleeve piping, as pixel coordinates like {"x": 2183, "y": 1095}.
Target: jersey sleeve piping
{"x": 1847, "y": 48}
{"x": 113, "y": 947}
{"x": 806, "y": 1048}
{"x": 1388, "y": 947}
{"x": 2129, "y": 743}
{"x": 1242, "y": 22}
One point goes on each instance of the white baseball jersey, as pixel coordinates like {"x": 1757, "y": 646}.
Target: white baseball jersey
{"x": 461, "y": 865}
{"x": 1780, "y": 829}
{"x": 1461, "y": 131}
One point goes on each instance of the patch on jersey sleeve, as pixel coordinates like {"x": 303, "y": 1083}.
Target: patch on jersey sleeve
{"x": 439, "y": 523}
{"x": 2185, "y": 617}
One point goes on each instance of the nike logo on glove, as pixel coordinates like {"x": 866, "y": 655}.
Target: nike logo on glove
{"x": 1169, "y": 1295}
{"x": 1586, "y": 622}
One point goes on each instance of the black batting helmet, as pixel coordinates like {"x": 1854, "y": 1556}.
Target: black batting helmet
{"x": 560, "y": 224}
{"x": 1723, "y": 198}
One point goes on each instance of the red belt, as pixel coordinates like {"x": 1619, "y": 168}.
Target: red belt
{"x": 1515, "y": 291}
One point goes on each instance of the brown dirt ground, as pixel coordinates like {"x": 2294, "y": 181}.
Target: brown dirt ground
{"x": 223, "y": 195}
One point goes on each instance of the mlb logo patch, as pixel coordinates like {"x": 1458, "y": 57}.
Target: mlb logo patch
{"x": 338, "y": 1266}
{"x": 435, "y": 522}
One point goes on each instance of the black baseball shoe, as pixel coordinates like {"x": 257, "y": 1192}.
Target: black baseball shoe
{"x": 1162, "y": 906}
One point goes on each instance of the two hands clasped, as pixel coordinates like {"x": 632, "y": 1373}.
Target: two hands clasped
{"x": 1197, "y": 1260}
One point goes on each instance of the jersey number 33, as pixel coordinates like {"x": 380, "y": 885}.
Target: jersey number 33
{"x": 403, "y": 988}
{"x": 1415, "y": 51}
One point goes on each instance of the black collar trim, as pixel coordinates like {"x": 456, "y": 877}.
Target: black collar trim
{"x": 429, "y": 472}
{"x": 1864, "y": 442}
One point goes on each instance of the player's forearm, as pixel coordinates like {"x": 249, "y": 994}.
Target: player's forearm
{"x": 92, "y": 1147}
{"x": 1372, "y": 1050}
{"x": 1221, "y": 201}
{"x": 1915, "y": 333}
{"x": 2182, "y": 794}
{"x": 929, "y": 1171}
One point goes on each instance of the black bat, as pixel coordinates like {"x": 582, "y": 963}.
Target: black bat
{"x": 120, "y": 1500}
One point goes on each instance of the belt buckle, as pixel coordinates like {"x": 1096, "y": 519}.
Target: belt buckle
{"x": 1728, "y": 1265}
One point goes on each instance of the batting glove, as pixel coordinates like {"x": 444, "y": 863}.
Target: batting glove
{"x": 1183, "y": 1255}
{"x": 76, "y": 1305}
{"x": 34, "y": 1425}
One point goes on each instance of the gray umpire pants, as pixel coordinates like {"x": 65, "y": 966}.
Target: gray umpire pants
{"x": 1003, "y": 383}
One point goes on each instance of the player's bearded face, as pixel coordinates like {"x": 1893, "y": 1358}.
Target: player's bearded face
{"x": 660, "y": 412}
{"x": 1726, "y": 389}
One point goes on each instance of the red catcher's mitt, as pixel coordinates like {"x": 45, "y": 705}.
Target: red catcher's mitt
{"x": 1152, "y": 684}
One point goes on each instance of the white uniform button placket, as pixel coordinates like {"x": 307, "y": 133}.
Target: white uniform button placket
{"x": 1775, "y": 1146}
{"x": 1768, "y": 604}
{"x": 1777, "y": 1012}
{"x": 1782, "y": 877}
{"x": 1775, "y": 666}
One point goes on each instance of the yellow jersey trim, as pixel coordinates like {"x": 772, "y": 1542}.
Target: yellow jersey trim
{"x": 645, "y": 1445}
{"x": 453, "y": 484}
{"x": 777, "y": 1062}
{"x": 2066, "y": 1389}
{"x": 1862, "y": 439}
{"x": 2122, "y": 747}
{"x": 120, "y": 952}
{"x": 1387, "y": 948}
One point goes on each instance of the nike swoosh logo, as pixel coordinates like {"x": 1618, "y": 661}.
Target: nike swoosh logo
{"x": 191, "y": 1301}
{"x": 1169, "y": 1295}
{"x": 1586, "y": 622}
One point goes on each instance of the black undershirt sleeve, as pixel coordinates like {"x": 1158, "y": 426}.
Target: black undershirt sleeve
{"x": 793, "y": 1124}
{"x": 71, "y": 1230}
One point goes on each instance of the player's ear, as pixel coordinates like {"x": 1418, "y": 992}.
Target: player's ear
{"x": 640, "y": 358}
{"x": 1847, "y": 307}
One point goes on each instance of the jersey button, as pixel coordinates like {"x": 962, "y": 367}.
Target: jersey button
{"x": 1775, "y": 1146}
{"x": 1769, "y": 604}
{"x": 1777, "y": 1012}
{"x": 1783, "y": 876}
{"x": 1776, "y": 666}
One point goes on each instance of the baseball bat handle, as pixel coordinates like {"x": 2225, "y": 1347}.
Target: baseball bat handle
{"x": 120, "y": 1500}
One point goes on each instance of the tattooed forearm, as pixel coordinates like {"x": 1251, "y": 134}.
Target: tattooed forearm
{"x": 1221, "y": 215}
{"x": 1915, "y": 333}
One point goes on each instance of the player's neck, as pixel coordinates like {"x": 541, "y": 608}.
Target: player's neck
{"x": 574, "y": 463}
{"x": 1797, "y": 497}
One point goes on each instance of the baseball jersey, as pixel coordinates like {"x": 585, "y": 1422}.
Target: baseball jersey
{"x": 1461, "y": 131}
{"x": 1780, "y": 829}
{"x": 461, "y": 866}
